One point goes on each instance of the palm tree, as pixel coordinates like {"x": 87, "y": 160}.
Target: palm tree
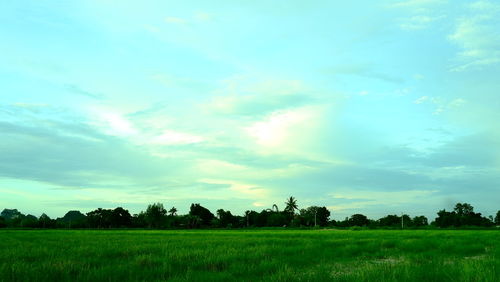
{"x": 172, "y": 211}
{"x": 291, "y": 205}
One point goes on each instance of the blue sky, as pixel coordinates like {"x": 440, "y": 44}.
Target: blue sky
{"x": 371, "y": 107}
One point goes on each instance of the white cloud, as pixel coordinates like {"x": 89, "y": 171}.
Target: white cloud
{"x": 478, "y": 37}
{"x": 440, "y": 104}
{"x": 241, "y": 189}
{"x": 422, "y": 13}
{"x": 418, "y": 22}
{"x": 421, "y": 100}
{"x": 116, "y": 124}
{"x": 277, "y": 128}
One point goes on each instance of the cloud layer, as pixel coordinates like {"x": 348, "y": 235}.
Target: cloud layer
{"x": 381, "y": 109}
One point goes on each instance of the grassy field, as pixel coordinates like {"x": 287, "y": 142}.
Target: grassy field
{"x": 249, "y": 255}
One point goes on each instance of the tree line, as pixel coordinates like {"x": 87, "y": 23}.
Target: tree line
{"x": 156, "y": 216}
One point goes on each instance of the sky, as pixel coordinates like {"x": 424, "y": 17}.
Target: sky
{"x": 373, "y": 107}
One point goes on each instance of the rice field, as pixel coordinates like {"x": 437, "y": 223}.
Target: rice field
{"x": 249, "y": 255}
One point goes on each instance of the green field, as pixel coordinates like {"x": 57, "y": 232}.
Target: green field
{"x": 249, "y": 255}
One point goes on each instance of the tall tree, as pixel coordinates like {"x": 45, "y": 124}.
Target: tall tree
{"x": 497, "y": 218}
{"x": 420, "y": 221}
{"x": 314, "y": 216}
{"x": 358, "y": 220}
{"x": 100, "y": 218}
{"x": 73, "y": 219}
{"x": 155, "y": 215}
{"x": 29, "y": 221}
{"x": 291, "y": 205}
{"x": 203, "y": 213}
{"x": 172, "y": 211}
{"x": 121, "y": 217}
{"x": 44, "y": 221}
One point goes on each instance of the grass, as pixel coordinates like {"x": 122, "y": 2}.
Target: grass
{"x": 249, "y": 255}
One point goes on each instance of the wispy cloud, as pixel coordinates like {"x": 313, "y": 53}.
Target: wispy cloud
{"x": 248, "y": 96}
{"x": 478, "y": 36}
{"x": 418, "y": 22}
{"x": 440, "y": 104}
{"x": 73, "y": 88}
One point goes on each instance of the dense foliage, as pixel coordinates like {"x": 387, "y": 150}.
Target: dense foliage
{"x": 156, "y": 216}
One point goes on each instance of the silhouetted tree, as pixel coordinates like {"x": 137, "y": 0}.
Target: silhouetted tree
{"x": 391, "y": 220}
{"x": 44, "y": 221}
{"x": 276, "y": 219}
{"x": 3, "y": 224}
{"x": 291, "y": 206}
{"x": 203, "y": 213}
{"x": 462, "y": 215}
{"x": 314, "y": 214}
{"x": 172, "y": 211}
{"x": 225, "y": 218}
{"x": 463, "y": 209}
{"x": 251, "y": 218}
{"x": 155, "y": 215}
{"x": 358, "y": 220}
{"x": 121, "y": 217}
{"x": 419, "y": 221}
{"x": 100, "y": 218}
{"x": 139, "y": 220}
{"x": 446, "y": 219}
{"x": 12, "y": 217}
{"x": 190, "y": 221}
{"x": 9, "y": 214}
{"x": 29, "y": 221}
{"x": 497, "y": 218}
{"x": 73, "y": 219}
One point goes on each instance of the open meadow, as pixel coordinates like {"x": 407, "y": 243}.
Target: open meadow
{"x": 249, "y": 255}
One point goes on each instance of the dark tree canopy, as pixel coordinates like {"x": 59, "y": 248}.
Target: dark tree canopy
{"x": 203, "y": 213}
{"x": 44, "y": 221}
{"x": 358, "y": 220}
{"x": 420, "y": 221}
{"x": 10, "y": 214}
{"x": 155, "y": 215}
{"x": 314, "y": 216}
{"x": 462, "y": 215}
{"x": 73, "y": 219}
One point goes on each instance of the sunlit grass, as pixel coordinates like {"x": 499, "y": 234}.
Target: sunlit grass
{"x": 249, "y": 255}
